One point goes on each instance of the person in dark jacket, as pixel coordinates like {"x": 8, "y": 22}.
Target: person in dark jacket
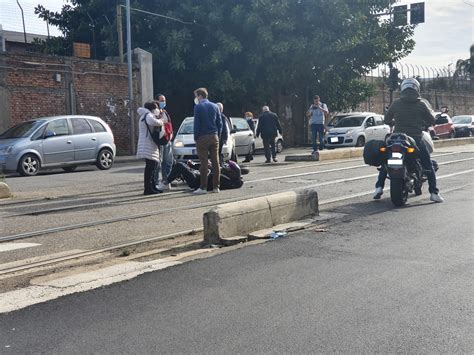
{"x": 225, "y": 131}
{"x": 251, "y": 123}
{"x": 230, "y": 175}
{"x": 409, "y": 115}
{"x": 268, "y": 127}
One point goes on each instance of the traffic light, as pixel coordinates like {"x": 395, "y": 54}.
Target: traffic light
{"x": 400, "y": 17}
{"x": 393, "y": 78}
{"x": 417, "y": 13}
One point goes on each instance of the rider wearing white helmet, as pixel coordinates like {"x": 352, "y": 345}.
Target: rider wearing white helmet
{"x": 410, "y": 114}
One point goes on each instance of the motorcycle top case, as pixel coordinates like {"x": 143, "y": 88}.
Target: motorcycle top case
{"x": 372, "y": 154}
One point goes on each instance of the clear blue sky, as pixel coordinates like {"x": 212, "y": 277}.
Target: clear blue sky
{"x": 445, "y": 37}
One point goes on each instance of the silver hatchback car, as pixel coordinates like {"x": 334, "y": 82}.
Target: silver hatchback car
{"x": 60, "y": 141}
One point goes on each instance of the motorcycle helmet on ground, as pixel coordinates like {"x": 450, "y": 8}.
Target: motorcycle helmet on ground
{"x": 410, "y": 83}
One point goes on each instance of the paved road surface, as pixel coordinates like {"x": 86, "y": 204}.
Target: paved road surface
{"x": 382, "y": 280}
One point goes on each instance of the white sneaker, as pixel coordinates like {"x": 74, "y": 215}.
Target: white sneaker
{"x": 436, "y": 197}
{"x": 163, "y": 187}
{"x": 199, "y": 192}
{"x": 378, "y": 193}
{"x": 216, "y": 191}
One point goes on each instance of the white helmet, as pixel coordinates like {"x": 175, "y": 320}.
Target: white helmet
{"x": 410, "y": 83}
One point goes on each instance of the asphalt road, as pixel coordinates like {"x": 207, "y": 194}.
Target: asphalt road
{"x": 56, "y": 199}
{"x": 381, "y": 280}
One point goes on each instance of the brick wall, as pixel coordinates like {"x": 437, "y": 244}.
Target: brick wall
{"x": 34, "y": 85}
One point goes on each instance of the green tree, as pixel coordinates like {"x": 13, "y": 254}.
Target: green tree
{"x": 251, "y": 51}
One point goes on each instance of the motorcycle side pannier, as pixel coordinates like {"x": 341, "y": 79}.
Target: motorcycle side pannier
{"x": 372, "y": 154}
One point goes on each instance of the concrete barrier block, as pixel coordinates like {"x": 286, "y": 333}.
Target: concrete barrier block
{"x": 236, "y": 219}
{"x": 225, "y": 223}
{"x": 4, "y": 190}
{"x": 293, "y": 205}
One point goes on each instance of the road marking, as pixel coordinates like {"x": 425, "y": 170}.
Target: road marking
{"x": 14, "y": 246}
{"x": 52, "y": 289}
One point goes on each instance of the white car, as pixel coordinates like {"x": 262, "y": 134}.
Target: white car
{"x": 244, "y": 138}
{"x": 240, "y": 143}
{"x": 356, "y": 130}
{"x": 259, "y": 141}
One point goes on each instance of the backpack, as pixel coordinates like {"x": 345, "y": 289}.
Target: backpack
{"x": 161, "y": 135}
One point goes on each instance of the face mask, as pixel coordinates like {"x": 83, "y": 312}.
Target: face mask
{"x": 196, "y": 101}
{"x": 156, "y": 112}
{"x": 162, "y": 104}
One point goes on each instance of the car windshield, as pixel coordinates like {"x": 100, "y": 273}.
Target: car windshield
{"x": 351, "y": 121}
{"x": 187, "y": 127}
{"x": 462, "y": 119}
{"x": 21, "y": 130}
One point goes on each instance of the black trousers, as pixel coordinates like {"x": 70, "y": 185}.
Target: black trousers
{"x": 150, "y": 175}
{"x": 269, "y": 147}
{"x": 190, "y": 176}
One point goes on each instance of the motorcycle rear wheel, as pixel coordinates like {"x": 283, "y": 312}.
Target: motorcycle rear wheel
{"x": 398, "y": 192}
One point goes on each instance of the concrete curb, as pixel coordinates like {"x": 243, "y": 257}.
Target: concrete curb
{"x": 4, "y": 190}
{"x": 231, "y": 223}
{"x": 346, "y": 153}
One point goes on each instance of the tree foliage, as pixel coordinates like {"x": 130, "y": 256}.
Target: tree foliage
{"x": 249, "y": 51}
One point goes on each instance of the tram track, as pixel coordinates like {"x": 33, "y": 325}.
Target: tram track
{"x": 132, "y": 198}
{"x": 111, "y": 248}
{"x": 99, "y": 222}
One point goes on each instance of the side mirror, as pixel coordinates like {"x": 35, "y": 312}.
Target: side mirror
{"x": 49, "y": 134}
{"x": 233, "y": 130}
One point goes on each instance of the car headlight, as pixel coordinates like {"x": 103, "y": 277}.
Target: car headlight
{"x": 6, "y": 149}
{"x": 178, "y": 144}
{"x": 349, "y": 131}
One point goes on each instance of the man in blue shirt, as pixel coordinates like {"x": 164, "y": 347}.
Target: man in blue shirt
{"x": 207, "y": 129}
{"x": 316, "y": 114}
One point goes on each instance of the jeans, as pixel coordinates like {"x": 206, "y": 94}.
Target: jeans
{"x": 208, "y": 146}
{"x": 152, "y": 168}
{"x": 269, "y": 147}
{"x": 426, "y": 163}
{"x": 166, "y": 153}
{"x": 315, "y": 130}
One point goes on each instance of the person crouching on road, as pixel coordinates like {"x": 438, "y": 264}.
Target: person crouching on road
{"x": 146, "y": 148}
{"x": 230, "y": 175}
{"x": 207, "y": 129}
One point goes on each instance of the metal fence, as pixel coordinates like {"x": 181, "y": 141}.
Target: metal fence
{"x": 429, "y": 77}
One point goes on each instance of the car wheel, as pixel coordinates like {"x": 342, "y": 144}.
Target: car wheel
{"x": 105, "y": 159}
{"x": 69, "y": 169}
{"x": 360, "y": 141}
{"x": 279, "y": 146}
{"x": 29, "y": 165}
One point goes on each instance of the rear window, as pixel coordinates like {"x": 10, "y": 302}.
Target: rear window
{"x": 98, "y": 127}
{"x": 351, "y": 121}
{"x": 21, "y": 130}
{"x": 240, "y": 124}
{"x": 80, "y": 126}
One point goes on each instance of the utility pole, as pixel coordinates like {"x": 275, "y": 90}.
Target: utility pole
{"x": 130, "y": 79}
{"x": 120, "y": 32}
